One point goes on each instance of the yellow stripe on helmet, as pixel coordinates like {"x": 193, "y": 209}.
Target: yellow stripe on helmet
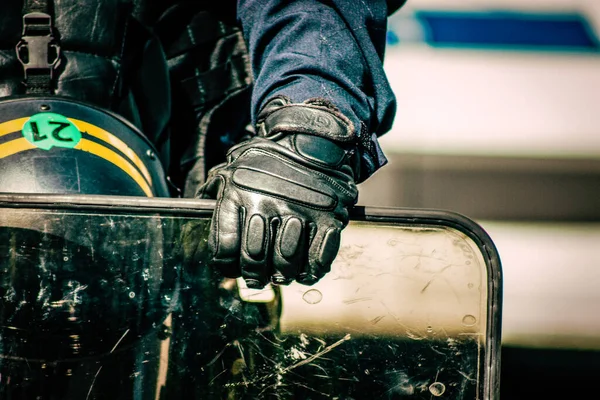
{"x": 21, "y": 144}
{"x": 112, "y": 157}
{"x": 14, "y": 146}
{"x": 12, "y": 126}
{"x": 111, "y": 139}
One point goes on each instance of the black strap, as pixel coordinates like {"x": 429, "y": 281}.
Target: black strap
{"x": 214, "y": 84}
{"x": 134, "y": 42}
{"x": 38, "y": 50}
{"x": 38, "y": 84}
{"x": 36, "y": 6}
{"x": 203, "y": 28}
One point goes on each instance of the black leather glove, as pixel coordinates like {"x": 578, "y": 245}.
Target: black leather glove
{"x": 283, "y": 196}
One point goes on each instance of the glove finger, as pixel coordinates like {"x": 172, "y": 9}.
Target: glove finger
{"x": 224, "y": 237}
{"x": 323, "y": 250}
{"x": 289, "y": 251}
{"x": 254, "y": 254}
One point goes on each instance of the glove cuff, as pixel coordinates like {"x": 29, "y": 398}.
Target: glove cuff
{"x": 314, "y": 130}
{"x": 316, "y": 117}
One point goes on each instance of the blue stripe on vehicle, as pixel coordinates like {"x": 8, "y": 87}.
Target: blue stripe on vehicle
{"x": 506, "y": 29}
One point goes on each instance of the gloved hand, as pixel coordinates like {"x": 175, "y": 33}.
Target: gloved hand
{"x": 283, "y": 196}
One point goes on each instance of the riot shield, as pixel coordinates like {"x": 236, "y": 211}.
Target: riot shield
{"x": 112, "y": 298}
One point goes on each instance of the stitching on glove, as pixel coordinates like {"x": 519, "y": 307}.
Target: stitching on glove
{"x": 303, "y": 168}
{"x": 286, "y": 199}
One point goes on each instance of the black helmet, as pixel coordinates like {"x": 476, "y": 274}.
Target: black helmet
{"x": 53, "y": 145}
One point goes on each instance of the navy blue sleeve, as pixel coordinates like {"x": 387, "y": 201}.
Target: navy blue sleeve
{"x": 330, "y": 49}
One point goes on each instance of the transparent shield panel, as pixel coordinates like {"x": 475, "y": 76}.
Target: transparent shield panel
{"x": 405, "y": 307}
{"x": 106, "y": 303}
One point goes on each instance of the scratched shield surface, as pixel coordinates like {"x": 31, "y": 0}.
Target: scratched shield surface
{"x": 402, "y": 315}
{"x": 120, "y": 305}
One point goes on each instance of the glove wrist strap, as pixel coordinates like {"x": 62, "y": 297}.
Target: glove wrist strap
{"x": 315, "y": 130}
{"x": 313, "y": 117}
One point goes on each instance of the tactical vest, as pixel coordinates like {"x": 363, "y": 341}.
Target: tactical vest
{"x": 177, "y": 71}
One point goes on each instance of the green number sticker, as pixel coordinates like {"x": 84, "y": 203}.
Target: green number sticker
{"x": 46, "y": 130}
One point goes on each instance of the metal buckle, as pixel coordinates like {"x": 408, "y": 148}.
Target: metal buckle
{"x": 38, "y": 51}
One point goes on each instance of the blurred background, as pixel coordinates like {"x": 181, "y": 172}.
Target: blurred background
{"x": 498, "y": 119}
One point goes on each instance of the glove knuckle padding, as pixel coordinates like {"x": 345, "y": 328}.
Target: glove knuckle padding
{"x": 254, "y": 251}
{"x": 288, "y": 249}
{"x": 256, "y": 237}
{"x": 290, "y": 238}
{"x": 329, "y": 248}
{"x": 271, "y": 176}
{"x": 224, "y": 238}
{"x": 323, "y": 250}
{"x": 223, "y": 242}
{"x": 228, "y": 226}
